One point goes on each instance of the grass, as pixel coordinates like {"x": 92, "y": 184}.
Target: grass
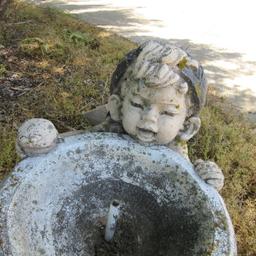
{"x": 56, "y": 67}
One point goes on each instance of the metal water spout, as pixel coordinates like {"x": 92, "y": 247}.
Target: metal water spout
{"x": 113, "y": 216}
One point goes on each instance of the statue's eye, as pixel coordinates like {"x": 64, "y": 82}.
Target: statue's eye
{"x": 136, "y": 105}
{"x": 167, "y": 113}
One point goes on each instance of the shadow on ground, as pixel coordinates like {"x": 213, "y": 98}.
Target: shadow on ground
{"x": 222, "y": 67}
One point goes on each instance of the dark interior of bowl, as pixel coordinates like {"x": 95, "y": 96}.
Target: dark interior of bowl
{"x": 145, "y": 227}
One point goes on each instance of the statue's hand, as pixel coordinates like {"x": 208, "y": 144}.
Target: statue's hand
{"x": 210, "y": 173}
{"x": 36, "y": 136}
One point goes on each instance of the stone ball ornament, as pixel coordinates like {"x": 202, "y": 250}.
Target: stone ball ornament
{"x": 106, "y": 194}
{"x": 36, "y": 136}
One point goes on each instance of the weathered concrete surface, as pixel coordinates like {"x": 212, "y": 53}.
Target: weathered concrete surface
{"x": 218, "y": 33}
{"x": 56, "y": 203}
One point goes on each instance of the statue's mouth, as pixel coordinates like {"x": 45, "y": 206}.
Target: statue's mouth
{"x": 145, "y": 134}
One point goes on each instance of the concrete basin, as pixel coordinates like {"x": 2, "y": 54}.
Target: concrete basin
{"x": 57, "y": 203}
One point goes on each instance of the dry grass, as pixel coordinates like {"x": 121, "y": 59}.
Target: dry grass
{"x": 54, "y": 66}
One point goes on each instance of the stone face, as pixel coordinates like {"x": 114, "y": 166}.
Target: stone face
{"x": 36, "y": 136}
{"x": 158, "y": 95}
{"x": 57, "y": 203}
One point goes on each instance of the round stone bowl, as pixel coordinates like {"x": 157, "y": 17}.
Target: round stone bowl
{"x": 57, "y": 203}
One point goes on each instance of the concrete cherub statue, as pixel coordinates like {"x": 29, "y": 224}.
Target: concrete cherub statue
{"x": 156, "y": 94}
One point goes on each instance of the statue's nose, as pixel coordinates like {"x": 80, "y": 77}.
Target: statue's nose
{"x": 150, "y": 114}
{"x": 149, "y": 118}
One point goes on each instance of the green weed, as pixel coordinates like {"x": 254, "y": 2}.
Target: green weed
{"x": 3, "y": 70}
{"x": 33, "y": 45}
{"x": 79, "y": 38}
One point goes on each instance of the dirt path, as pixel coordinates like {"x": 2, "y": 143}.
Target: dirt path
{"x": 219, "y": 34}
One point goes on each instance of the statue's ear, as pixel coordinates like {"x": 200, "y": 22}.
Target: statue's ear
{"x": 114, "y": 107}
{"x": 191, "y": 127}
